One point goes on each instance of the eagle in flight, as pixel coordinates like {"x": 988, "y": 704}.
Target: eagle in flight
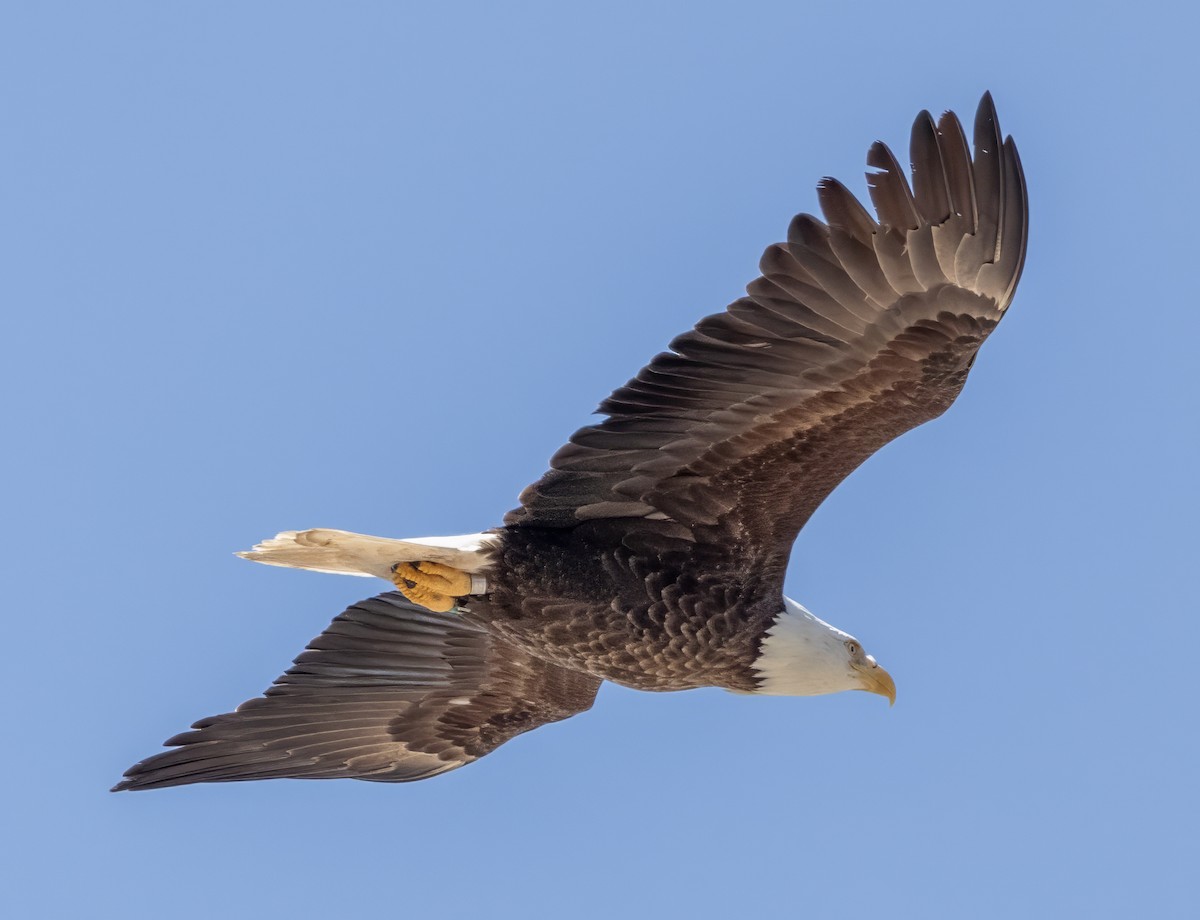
{"x": 653, "y": 552}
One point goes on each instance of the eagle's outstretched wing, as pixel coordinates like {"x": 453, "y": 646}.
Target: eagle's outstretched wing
{"x": 390, "y": 692}
{"x": 856, "y": 332}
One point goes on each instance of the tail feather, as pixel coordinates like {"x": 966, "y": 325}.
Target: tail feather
{"x": 343, "y": 553}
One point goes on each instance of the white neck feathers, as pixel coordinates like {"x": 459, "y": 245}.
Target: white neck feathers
{"x": 802, "y": 655}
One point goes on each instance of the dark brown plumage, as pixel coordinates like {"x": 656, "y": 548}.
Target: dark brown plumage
{"x": 856, "y": 332}
{"x": 654, "y": 550}
{"x": 388, "y": 692}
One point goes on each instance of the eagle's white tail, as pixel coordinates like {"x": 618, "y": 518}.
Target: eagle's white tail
{"x": 344, "y": 553}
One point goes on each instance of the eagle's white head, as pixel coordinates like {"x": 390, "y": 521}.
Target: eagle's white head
{"x": 805, "y": 656}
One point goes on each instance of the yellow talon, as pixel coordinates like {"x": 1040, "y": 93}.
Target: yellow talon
{"x": 431, "y": 584}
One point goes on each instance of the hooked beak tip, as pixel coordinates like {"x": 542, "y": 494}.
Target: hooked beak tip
{"x": 877, "y": 680}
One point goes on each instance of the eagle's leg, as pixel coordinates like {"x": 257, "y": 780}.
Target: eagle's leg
{"x": 431, "y": 584}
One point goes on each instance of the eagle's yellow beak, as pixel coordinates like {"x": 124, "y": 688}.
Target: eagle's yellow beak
{"x": 876, "y": 680}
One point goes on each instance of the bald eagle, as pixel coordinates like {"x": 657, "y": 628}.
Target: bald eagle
{"x": 653, "y": 552}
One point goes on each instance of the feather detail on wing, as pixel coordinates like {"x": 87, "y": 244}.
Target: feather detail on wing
{"x": 389, "y": 692}
{"x": 859, "y": 329}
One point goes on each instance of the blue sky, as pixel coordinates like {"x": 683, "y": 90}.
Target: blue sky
{"x": 367, "y": 265}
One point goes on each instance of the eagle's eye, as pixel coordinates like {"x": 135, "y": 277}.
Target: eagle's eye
{"x": 852, "y": 647}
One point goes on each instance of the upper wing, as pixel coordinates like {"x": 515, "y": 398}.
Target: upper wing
{"x": 857, "y": 331}
{"x": 390, "y": 691}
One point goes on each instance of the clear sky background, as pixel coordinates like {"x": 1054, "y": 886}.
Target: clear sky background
{"x": 366, "y": 265}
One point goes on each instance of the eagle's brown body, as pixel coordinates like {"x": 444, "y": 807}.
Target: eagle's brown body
{"x": 649, "y": 622}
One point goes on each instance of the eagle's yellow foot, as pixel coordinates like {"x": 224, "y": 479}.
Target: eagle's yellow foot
{"x": 431, "y": 584}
